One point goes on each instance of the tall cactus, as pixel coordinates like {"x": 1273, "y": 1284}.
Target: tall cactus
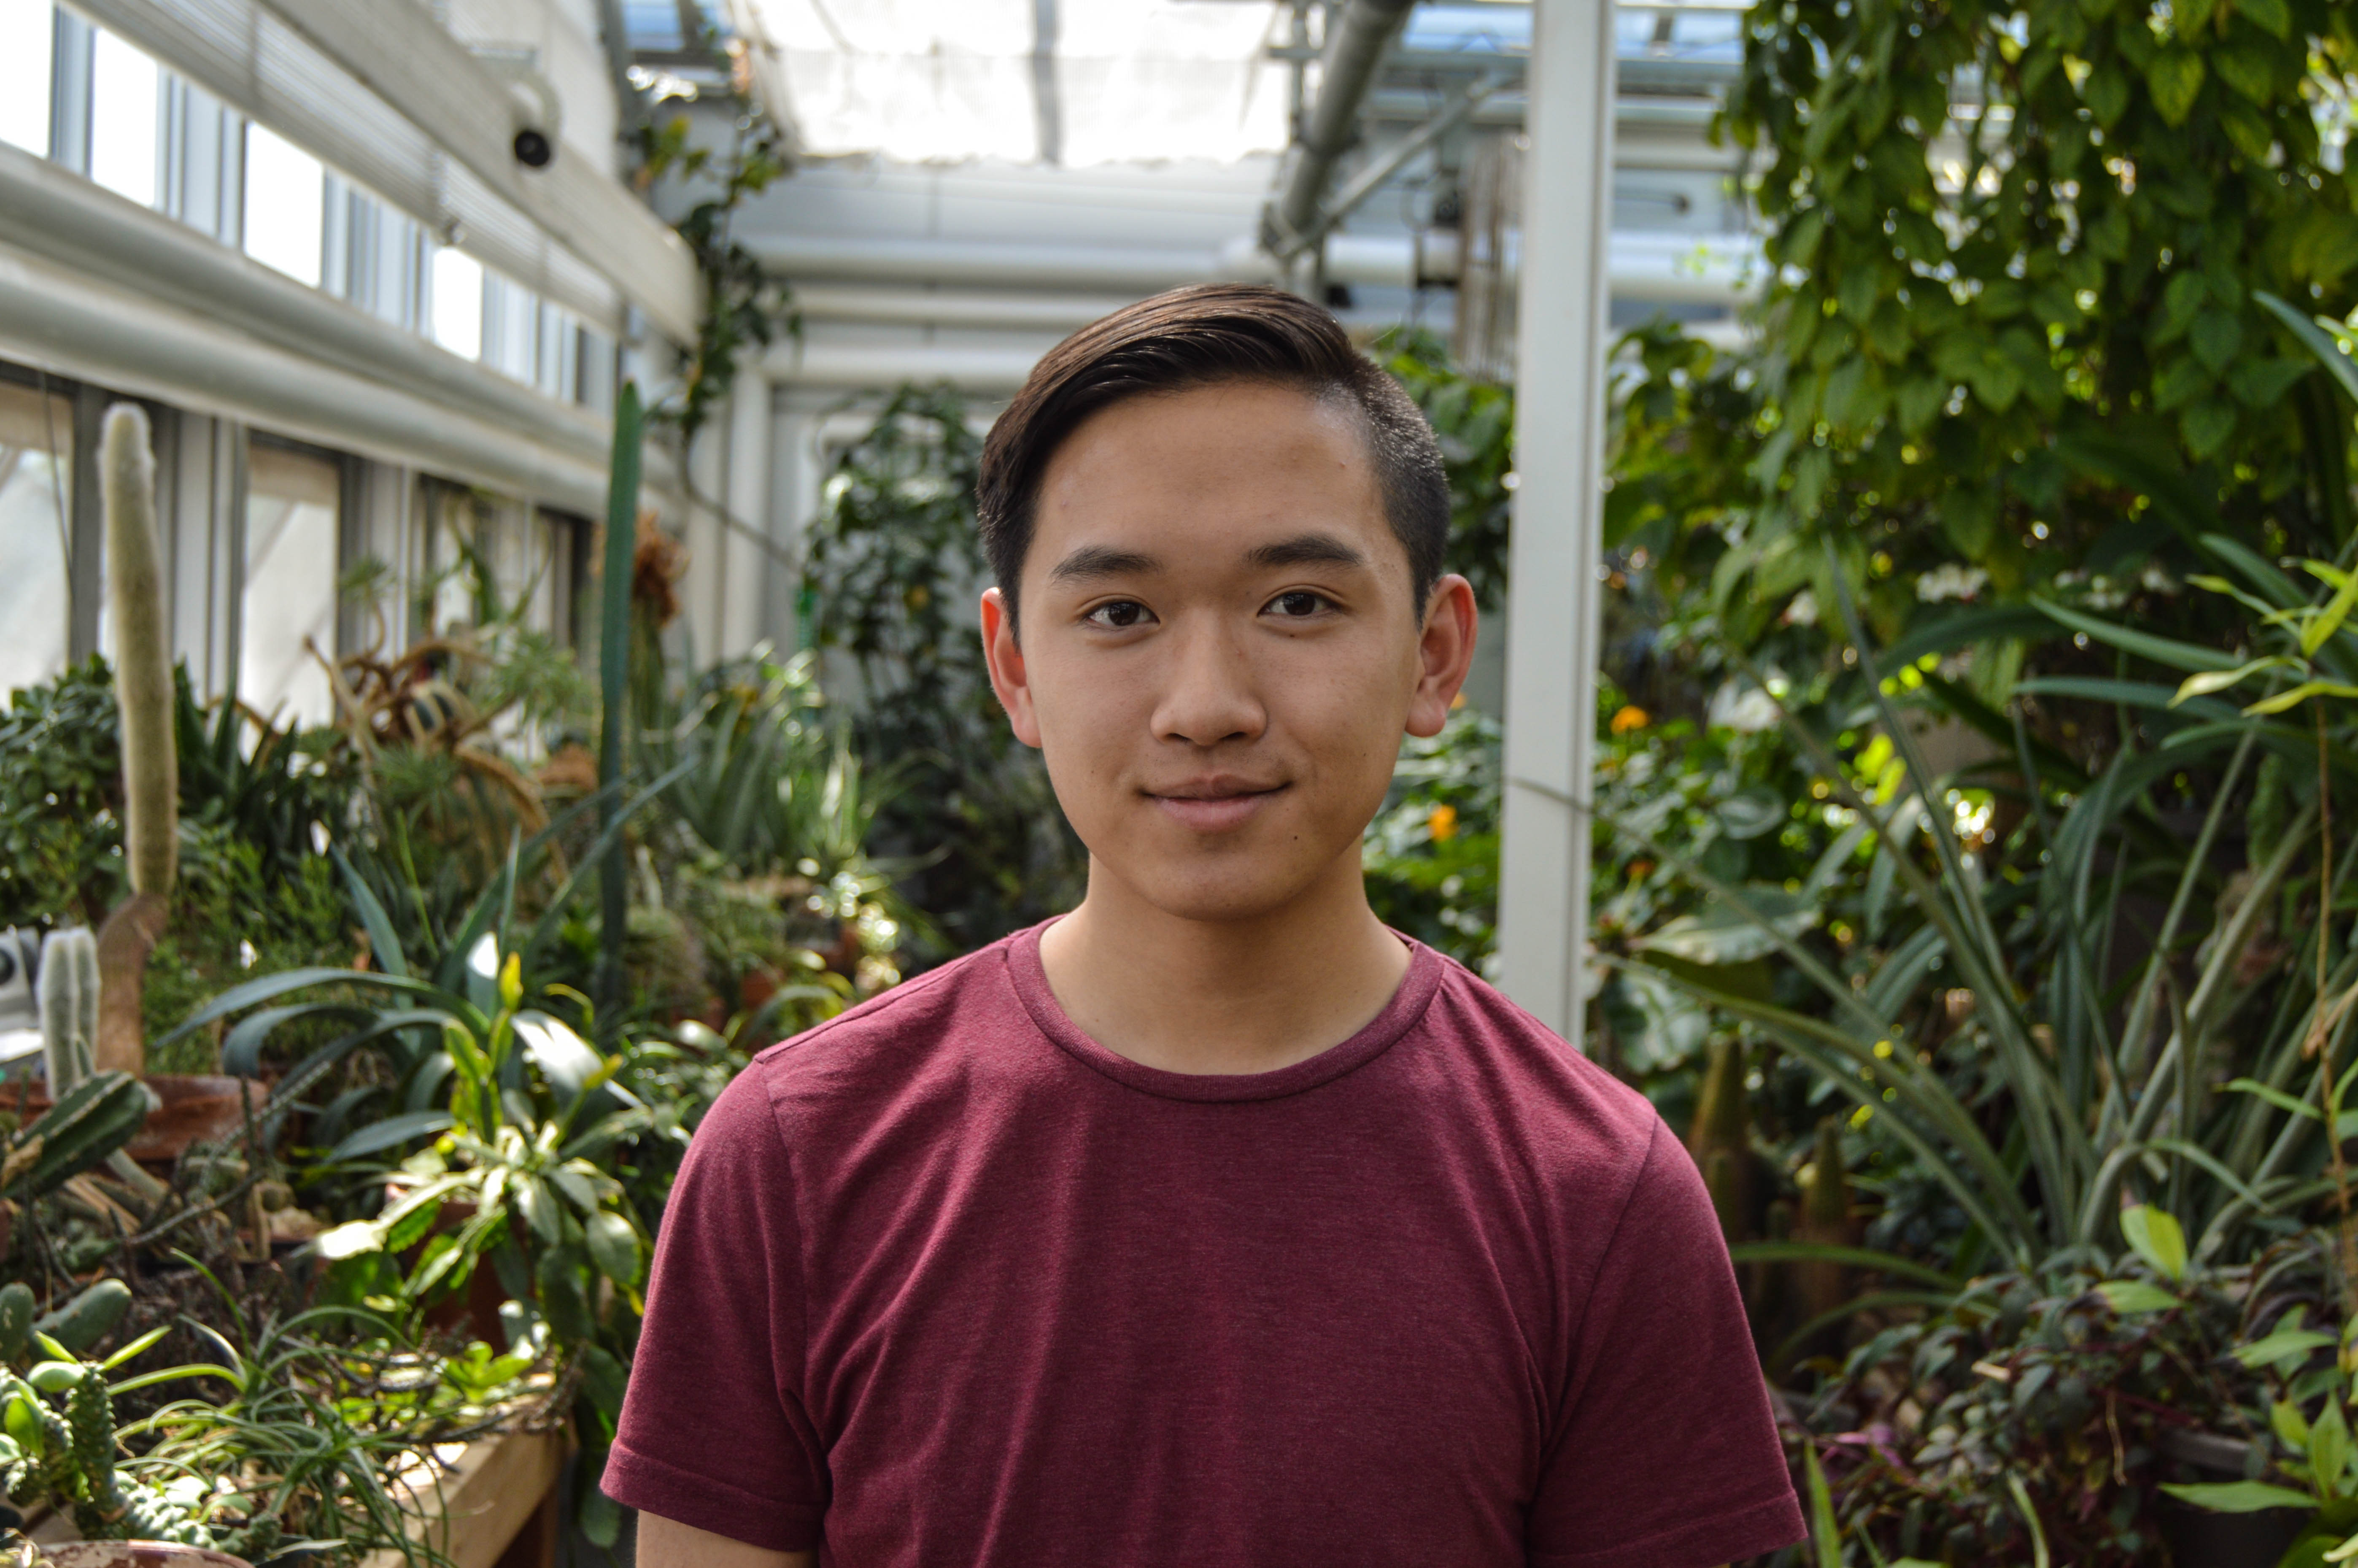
{"x": 143, "y": 663}
{"x": 151, "y": 769}
{"x": 69, "y": 997}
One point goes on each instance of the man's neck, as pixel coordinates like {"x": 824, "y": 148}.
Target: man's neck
{"x": 1249, "y": 996}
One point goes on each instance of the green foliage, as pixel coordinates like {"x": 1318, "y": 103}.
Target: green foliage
{"x": 61, "y": 797}
{"x": 745, "y": 306}
{"x": 1475, "y": 423}
{"x": 1982, "y": 349}
{"x": 893, "y": 569}
{"x": 1432, "y": 855}
{"x": 2028, "y": 1415}
{"x": 89, "y": 1123}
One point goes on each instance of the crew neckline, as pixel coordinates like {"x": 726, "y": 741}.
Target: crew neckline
{"x": 1407, "y": 1005}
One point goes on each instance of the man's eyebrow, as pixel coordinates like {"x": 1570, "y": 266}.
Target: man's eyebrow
{"x": 1100, "y": 561}
{"x": 1306, "y": 550}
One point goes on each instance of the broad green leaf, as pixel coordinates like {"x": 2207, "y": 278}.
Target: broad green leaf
{"x": 2125, "y": 1296}
{"x": 2299, "y": 695}
{"x": 2328, "y": 1449}
{"x": 539, "y": 1207}
{"x": 2203, "y": 683}
{"x": 2155, "y": 1235}
{"x": 2241, "y": 1496}
{"x": 2274, "y": 15}
{"x": 2176, "y": 78}
{"x": 2284, "y": 1345}
{"x": 350, "y": 1240}
{"x": 2291, "y": 1427}
{"x": 614, "y": 1247}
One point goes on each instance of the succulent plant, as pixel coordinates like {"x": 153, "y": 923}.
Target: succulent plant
{"x": 67, "y": 990}
{"x": 144, "y": 693}
{"x": 89, "y": 1123}
{"x": 143, "y": 662}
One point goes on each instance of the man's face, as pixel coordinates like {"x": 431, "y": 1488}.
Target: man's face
{"x": 1220, "y": 648}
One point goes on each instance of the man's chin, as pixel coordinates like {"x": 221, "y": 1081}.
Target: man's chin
{"x": 1241, "y": 894}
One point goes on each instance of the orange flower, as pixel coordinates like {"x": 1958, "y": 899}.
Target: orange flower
{"x": 1443, "y": 823}
{"x": 1630, "y": 717}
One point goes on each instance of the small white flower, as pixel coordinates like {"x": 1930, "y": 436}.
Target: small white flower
{"x": 1950, "y": 580}
{"x": 1803, "y": 609}
{"x": 1746, "y": 711}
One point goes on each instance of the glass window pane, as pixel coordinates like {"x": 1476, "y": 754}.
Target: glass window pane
{"x": 458, "y": 303}
{"x": 36, "y": 468}
{"x": 292, "y": 511}
{"x": 123, "y": 88}
{"x": 286, "y": 204}
{"x": 26, "y": 30}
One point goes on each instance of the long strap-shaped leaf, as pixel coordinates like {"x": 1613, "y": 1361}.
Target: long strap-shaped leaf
{"x": 1854, "y": 1069}
{"x": 2058, "y": 1142}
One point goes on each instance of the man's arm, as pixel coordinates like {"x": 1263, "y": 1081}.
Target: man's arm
{"x": 667, "y": 1543}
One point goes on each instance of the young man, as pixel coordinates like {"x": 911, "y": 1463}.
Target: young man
{"x": 1215, "y": 1224}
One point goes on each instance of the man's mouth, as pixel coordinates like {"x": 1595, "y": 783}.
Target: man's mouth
{"x": 1215, "y": 805}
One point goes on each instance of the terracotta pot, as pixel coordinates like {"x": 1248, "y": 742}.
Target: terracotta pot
{"x": 135, "y": 1554}
{"x": 197, "y": 1109}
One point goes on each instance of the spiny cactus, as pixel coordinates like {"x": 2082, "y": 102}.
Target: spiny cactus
{"x": 142, "y": 691}
{"x": 143, "y": 661}
{"x": 69, "y": 998}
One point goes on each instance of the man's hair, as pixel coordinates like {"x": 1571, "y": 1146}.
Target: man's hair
{"x": 1206, "y": 336}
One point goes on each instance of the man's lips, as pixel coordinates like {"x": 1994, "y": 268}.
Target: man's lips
{"x": 1217, "y": 805}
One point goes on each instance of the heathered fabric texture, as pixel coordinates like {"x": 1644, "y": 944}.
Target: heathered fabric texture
{"x": 944, "y": 1281}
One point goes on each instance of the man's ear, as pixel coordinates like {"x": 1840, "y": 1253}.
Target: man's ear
{"x": 1445, "y": 652}
{"x": 1008, "y": 676}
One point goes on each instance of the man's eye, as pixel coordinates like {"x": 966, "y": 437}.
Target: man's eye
{"x": 1300, "y": 604}
{"x": 1120, "y": 614}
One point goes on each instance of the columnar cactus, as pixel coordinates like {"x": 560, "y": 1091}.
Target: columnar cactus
{"x": 143, "y": 663}
{"x": 142, "y": 691}
{"x": 69, "y": 998}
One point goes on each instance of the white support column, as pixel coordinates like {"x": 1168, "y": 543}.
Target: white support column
{"x": 748, "y": 568}
{"x": 1553, "y": 605}
{"x": 706, "y": 538}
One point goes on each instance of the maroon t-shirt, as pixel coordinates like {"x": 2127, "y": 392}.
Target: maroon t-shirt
{"x": 944, "y": 1281}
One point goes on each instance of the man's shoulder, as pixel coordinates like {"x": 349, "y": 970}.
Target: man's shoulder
{"x": 1546, "y": 1094}
{"x": 895, "y": 1025}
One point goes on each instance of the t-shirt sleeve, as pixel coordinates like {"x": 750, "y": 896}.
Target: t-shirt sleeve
{"x": 714, "y": 1433}
{"x": 1664, "y": 1453}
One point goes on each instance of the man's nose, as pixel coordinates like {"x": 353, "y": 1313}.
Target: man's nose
{"x": 1210, "y": 694}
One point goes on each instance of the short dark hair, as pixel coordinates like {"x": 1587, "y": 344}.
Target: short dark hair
{"x": 1204, "y": 336}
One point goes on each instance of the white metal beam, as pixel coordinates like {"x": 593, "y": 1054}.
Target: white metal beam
{"x": 74, "y": 325}
{"x": 1556, "y": 550}
{"x": 399, "y": 51}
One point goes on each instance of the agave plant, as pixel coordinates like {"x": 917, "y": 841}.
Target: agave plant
{"x": 2090, "y": 1108}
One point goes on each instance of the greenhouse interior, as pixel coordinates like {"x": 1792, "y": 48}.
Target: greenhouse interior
{"x": 496, "y": 503}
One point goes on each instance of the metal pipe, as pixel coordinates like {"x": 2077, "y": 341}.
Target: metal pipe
{"x": 92, "y": 233}
{"x": 1395, "y": 157}
{"x": 915, "y": 307}
{"x": 1668, "y": 267}
{"x": 1363, "y": 32}
{"x": 67, "y": 322}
